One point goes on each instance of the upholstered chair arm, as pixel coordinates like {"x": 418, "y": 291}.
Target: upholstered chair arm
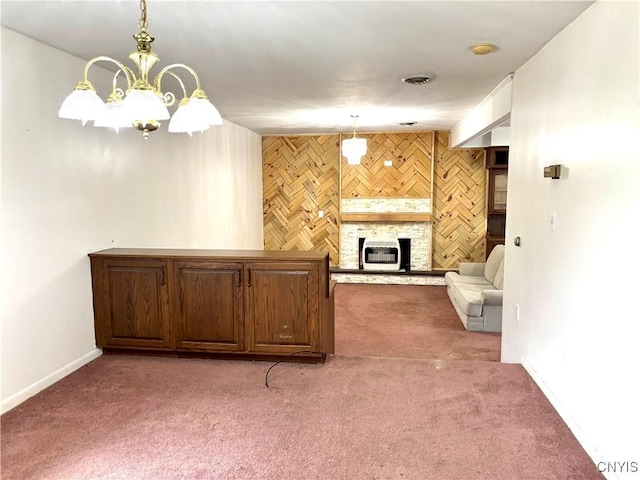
{"x": 492, "y": 297}
{"x": 473, "y": 269}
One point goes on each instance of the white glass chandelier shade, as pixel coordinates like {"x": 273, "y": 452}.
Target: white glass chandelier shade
{"x": 204, "y": 111}
{"x": 354, "y": 149}
{"x": 194, "y": 115}
{"x": 114, "y": 117}
{"x": 180, "y": 121}
{"x": 142, "y": 104}
{"x": 83, "y": 105}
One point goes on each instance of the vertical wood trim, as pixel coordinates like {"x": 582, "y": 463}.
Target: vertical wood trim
{"x": 339, "y": 198}
{"x": 431, "y": 198}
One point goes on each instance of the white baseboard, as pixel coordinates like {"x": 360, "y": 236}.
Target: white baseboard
{"x": 582, "y": 438}
{"x": 17, "y": 398}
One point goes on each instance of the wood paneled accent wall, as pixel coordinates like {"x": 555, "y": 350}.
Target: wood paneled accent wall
{"x": 301, "y": 177}
{"x": 459, "y": 202}
{"x": 409, "y": 175}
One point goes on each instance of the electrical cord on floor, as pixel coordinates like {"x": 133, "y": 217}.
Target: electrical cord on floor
{"x": 266, "y": 377}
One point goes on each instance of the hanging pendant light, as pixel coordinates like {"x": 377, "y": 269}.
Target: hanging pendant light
{"x": 354, "y": 148}
{"x": 143, "y": 104}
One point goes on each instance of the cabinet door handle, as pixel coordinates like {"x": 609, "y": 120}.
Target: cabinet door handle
{"x": 248, "y": 277}
{"x": 162, "y": 279}
{"x": 282, "y": 335}
{"x": 239, "y": 278}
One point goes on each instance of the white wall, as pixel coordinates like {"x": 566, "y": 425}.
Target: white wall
{"x": 577, "y": 103}
{"x": 68, "y": 190}
{"x": 493, "y": 111}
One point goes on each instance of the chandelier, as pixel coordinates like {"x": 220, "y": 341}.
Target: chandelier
{"x": 143, "y": 104}
{"x": 354, "y": 148}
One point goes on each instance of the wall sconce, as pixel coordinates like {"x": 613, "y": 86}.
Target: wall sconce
{"x": 553, "y": 171}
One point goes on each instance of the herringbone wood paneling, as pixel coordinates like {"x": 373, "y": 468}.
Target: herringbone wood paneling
{"x": 300, "y": 177}
{"x": 409, "y": 176}
{"x": 459, "y": 205}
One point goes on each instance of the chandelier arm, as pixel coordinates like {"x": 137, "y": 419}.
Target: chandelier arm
{"x": 184, "y": 90}
{"x": 115, "y": 80}
{"x": 115, "y": 90}
{"x": 127, "y": 71}
{"x": 157, "y": 83}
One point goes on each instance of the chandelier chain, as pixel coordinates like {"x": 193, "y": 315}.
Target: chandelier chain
{"x": 142, "y": 24}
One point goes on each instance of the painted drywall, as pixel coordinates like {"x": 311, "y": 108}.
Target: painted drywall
{"x": 200, "y": 192}
{"x": 68, "y": 190}
{"x": 493, "y": 111}
{"x": 576, "y": 103}
{"x": 498, "y": 137}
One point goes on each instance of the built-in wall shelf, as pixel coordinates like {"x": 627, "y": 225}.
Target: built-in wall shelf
{"x": 385, "y": 217}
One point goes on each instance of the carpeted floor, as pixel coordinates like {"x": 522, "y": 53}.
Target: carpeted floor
{"x": 352, "y": 418}
{"x": 433, "y": 415}
{"x": 406, "y": 321}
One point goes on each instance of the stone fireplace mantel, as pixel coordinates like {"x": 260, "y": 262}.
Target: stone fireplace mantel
{"x": 378, "y": 217}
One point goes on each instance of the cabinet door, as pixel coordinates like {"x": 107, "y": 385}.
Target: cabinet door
{"x": 497, "y": 191}
{"x": 208, "y": 314}
{"x": 283, "y": 307}
{"x": 497, "y": 157}
{"x": 136, "y": 306}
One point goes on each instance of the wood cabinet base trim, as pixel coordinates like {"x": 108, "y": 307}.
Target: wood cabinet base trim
{"x": 265, "y": 357}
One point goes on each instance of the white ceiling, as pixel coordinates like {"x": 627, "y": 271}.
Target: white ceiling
{"x": 306, "y": 67}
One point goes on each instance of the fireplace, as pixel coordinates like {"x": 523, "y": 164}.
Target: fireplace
{"x": 418, "y": 254}
{"x": 386, "y": 255}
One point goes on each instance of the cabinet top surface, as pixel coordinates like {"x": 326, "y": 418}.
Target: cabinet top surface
{"x": 197, "y": 253}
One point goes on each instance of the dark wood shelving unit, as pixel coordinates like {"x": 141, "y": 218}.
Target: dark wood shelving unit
{"x": 497, "y": 164}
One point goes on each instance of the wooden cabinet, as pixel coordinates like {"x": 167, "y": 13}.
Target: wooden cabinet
{"x": 497, "y": 195}
{"x": 131, "y": 300}
{"x": 497, "y": 157}
{"x": 236, "y": 304}
{"x": 208, "y": 306}
{"x": 497, "y": 162}
{"x": 283, "y": 311}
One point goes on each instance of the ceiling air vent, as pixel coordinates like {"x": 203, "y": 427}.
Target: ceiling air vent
{"x": 416, "y": 80}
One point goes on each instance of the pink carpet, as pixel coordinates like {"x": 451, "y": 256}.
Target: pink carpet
{"x": 406, "y": 321}
{"x": 130, "y": 418}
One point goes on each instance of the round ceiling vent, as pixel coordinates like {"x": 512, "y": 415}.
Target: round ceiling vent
{"x": 416, "y": 80}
